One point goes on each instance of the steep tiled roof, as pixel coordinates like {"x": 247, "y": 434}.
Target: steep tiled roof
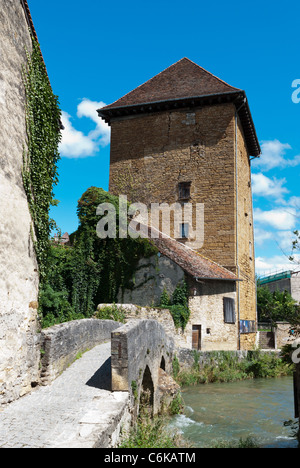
{"x": 184, "y": 85}
{"x": 184, "y": 79}
{"x": 188, "y": 259}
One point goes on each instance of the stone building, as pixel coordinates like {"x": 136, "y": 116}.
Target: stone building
{"x": 19, "y": 350}
{"x": 284, "y": 281}
{"x": 185, "y": 136}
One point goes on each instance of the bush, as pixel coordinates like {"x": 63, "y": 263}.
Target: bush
{"x": 111, "y": 312}
{"x": 226, "y": 367}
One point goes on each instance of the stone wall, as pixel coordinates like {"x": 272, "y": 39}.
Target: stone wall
{"x": 282, "y": 335}
{"x": 19, "y": 349}
{"x": 295, "y": 286}
{"x": 151, "y": 277}
{"x": 207, "y": 311}
{"x": 206, "y": 147}
{"x": 246, "y": 289}
{"x": 139, "y": 349}
{"x": 61, "y": 344}
{"x": 153, "y": 153}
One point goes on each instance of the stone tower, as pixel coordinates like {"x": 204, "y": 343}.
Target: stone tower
{"x": 187, "y": 136}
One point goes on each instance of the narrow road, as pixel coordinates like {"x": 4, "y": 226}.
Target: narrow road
{"x": 72, "y": 412}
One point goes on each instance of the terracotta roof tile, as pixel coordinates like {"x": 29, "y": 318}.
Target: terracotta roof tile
{"x": 184, "y": 84}
{"x": 191, "y": 261}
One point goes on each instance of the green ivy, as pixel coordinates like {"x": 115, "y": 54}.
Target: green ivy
{"x": 93, "y": 270}
{"x": 178, "y": 304}
{"x": 41, "y": 151}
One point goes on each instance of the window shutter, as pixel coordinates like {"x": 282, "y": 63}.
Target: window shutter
{"x": 229, "y": 310}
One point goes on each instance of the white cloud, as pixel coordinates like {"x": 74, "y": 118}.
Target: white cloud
{"x": 280, "y": 218}
{"x": 273, "y": 155}
{"x": 260, "y": 236}
{"x": 88, "y": 109}
{"x": 75, "y": 144}
{"x": 263, "y": 186}
{"x": 265, "y": 266}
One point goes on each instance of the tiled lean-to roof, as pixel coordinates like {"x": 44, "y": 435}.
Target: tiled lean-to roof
{"x": 184, "y": 84}
{"x": 191, "y": 261}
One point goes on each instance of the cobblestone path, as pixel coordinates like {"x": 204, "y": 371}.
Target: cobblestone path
{"x": 70, "y": 412}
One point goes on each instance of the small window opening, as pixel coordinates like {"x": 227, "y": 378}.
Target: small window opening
{"x": 184, "y": 190}
{"x": 184, "y": 231}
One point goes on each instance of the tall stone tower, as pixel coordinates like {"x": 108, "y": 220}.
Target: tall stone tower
{"x": 187, "y": 136}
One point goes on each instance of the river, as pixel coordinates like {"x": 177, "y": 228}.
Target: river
{"x": 230, "y": 411}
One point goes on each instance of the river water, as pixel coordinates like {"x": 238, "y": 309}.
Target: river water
{"x": 230, "y": 411}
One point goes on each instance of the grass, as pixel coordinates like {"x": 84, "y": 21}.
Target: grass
{"x": 226, "y": 367}
{"x": 247, "y": 442}
{"x": 152, "y": 433}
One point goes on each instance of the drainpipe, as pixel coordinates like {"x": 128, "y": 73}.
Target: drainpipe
{"x": 237, "y": 221}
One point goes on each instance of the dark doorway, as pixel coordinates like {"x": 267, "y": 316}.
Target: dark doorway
{"x": 163, "y": 363}
{"x": 196, "y": 337}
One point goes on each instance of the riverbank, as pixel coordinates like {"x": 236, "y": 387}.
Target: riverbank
{"x": 226, "y": 366}
{"x": 217, "y": 368}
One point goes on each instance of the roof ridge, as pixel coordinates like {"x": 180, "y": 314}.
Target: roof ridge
{"x": 211, "y": 74}
{"x": 145, "y": 82}
{"x": 169, "y": 67}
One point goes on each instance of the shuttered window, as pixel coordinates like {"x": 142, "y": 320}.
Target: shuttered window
{"x": 229, "y": 310}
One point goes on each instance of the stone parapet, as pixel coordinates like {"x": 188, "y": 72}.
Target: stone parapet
{"x": 61, "y": 344}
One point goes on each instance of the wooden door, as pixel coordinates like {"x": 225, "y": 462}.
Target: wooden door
{"x": 196, "y": 337}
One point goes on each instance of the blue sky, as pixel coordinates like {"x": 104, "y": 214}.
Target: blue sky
{"x": 96, "y": 52}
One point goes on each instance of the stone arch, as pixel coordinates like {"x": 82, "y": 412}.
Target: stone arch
{"x": 163, "y": 363}
{"x": 147, "y": 392}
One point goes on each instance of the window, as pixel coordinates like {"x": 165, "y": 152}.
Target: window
{"x": 229, "y": 310}
{"x": 184, "y": 190}
{"x": 184, "y": 231}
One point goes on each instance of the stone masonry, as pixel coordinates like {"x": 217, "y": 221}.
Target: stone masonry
{"x": 19, "y": 350}
{"x": 162, "y": 137}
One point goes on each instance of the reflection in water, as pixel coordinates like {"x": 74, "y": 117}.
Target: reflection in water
{"x": 230, "y": 411}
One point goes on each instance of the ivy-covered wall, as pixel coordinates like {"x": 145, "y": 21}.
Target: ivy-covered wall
{"x": 92, "y": 270}
{"x": 19, "y": 279}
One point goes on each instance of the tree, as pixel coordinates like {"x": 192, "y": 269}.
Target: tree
{"x": 275, "y": 306}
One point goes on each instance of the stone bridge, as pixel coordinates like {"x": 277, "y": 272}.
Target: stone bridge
{"x": 86, "y": 395}
{"x": 141, "y": 360}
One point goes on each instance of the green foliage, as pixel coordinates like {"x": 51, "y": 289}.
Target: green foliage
{"x": 165, "y": 300}
{"x": 111, "y": 312}
{"x": 178, "y": 304}
{"x": 41, "y": 153}
{"x": 225, "y": 366}
{"x": 247, "y": 442}
{"x": 151, "y": 433}
{"x": 93, "y": 270}
{"x": 175, "y": 366}
{"x": 275, "y": 306}
{"x": 177, "y": 405}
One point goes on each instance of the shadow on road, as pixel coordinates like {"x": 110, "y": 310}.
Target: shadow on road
{"x": 102, "y": 377}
